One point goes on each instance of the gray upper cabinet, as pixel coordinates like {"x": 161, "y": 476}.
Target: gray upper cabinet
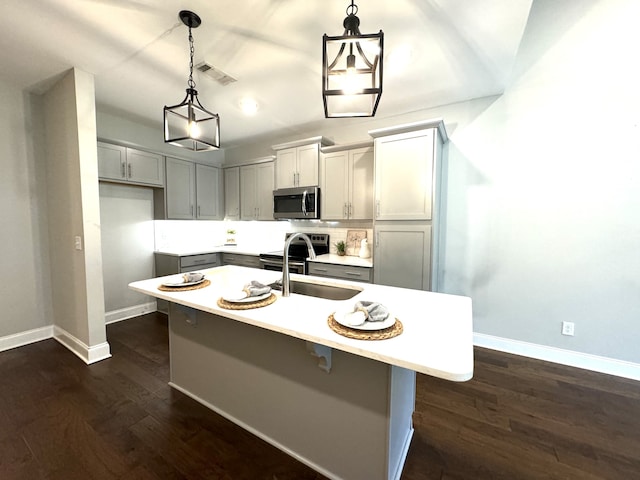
{"x": 256, "y": 191}
{"x": 232, "y": 193}
{"x": 128, "y": 165}
{"x": 208, "y": 188}
{"x": 404, "y": 175}
{"x": 346, "y": 183}
{"x": 297, "y": 163}
{"x": 193, "y": 191}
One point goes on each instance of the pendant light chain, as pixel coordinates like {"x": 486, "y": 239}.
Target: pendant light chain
{"x": 191, "y": 83}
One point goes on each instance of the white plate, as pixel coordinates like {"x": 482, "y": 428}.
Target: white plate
{"x": 257, "y": 298}
{"x": 339, "y": 317}
{"x": 183, "y": 284}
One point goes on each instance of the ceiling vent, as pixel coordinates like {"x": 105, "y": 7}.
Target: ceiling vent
{"x": 216, "y": 74}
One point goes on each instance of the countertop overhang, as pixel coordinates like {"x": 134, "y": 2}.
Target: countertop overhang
{"x": 437, "y": 339}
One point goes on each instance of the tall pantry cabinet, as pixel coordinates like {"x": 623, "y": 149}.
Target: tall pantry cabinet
{"x": 407, "y": 190}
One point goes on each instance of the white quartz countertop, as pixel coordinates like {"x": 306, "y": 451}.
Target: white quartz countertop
{"x": 240, "y": 250}
{"x": 437, "y": 339}
{"x": 253, "y": 250}
{"x": 343, "y": 260}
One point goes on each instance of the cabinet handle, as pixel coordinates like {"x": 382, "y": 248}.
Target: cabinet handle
{"x": 350, "y": 209}
{"x": 344, "y": 211}
{"x": 129, "y": 170}
{"x": 198, "y": 210}
{"x": 378, "y": 208}
{"x": 294, "y": 179}
{"x": 353, "y": 274}
{"x": 321, "y": 270}
{"x": 123, "y": 171}
{"x": 191, "y": 210}
{"x": 377, "y": 239}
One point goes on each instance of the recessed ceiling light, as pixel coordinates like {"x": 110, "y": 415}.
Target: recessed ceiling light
{"x": 248, "y": 106}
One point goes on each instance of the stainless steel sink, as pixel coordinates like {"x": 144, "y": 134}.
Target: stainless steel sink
{"x": 330, "y": 292}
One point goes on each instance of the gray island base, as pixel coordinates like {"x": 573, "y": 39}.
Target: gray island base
{"x": 341, "y": 406}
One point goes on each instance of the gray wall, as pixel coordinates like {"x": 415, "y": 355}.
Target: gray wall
{"x": 25, "y": 296}
{"x": 73, "y": 207}
{"x": 126, "y": 215}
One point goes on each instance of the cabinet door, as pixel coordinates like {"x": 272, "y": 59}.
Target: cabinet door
{"x": 402, "y": 256}
{"x": 307, "y": 165}
{"x": 404, "y": 175}
{"x": 232, "y": 193}
{"x": 361, "y": 184}
{"x": 111, "y": 162}
{"x": 248, "y": 195}
{"x": 207, "y": 192}
{"x": 180, "y": 189}
{"x": 286, "y": 172}
{"x": 264, "y": 190}
{"x": 145, "y": 167}
{"x": 334, "y": 185}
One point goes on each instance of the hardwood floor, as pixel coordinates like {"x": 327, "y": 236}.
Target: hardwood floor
{"x": 118, "y": 419}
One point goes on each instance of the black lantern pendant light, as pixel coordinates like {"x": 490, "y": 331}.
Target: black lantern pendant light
{"x": 189, "y": 124}
{"x": 352, "y": 70}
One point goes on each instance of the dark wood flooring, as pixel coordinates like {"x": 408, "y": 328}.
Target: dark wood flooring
{"x": 118, "y": 419}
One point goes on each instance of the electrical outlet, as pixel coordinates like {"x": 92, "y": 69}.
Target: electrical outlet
{"x": 568, "y": 328}
{"x": 78, "y": 242}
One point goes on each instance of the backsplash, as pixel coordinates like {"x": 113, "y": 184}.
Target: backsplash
{"x": 181, "y": 235}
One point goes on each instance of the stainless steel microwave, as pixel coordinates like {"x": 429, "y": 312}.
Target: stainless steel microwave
{"x": 298, "y": 202}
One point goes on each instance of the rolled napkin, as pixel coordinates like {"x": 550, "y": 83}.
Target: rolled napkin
{"x": 192, "y": 277}
{"x": 362, "y": 312}
{"x": 255, "y": 289}
{"x": 373, "y": 311}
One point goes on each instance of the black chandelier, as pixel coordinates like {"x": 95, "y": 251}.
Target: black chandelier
{"x": 189, "y": 124}
{"x": 352, "y": 70}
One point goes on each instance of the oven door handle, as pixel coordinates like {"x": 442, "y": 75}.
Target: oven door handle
{"x": 280, "y": 263}
{"x": 275, "y": 263}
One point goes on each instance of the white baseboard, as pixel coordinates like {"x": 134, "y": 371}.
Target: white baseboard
{"x": 25, "y": 338}
{"x": 86, "y": 353}
{"x": 130, "y": 312}
{"x": 586, "y": 361}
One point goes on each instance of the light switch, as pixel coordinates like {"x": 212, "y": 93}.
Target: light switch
{"x": 78, "y": 242}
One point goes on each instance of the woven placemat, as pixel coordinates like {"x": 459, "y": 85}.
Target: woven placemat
{"x": 206, "y": 283}
{"x": 389, "y": 332}
{"x": 222, "y": 303}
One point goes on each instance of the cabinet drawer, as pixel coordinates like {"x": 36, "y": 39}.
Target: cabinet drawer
{"x": 240, "y": 259}
{"x": 359, "y": 274}
{"x": 209, "y": 259}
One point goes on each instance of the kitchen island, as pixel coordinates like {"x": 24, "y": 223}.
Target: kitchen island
{"x": 343, "y": 406}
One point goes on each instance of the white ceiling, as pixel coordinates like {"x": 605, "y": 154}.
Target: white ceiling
{"x": 138, "y": 52}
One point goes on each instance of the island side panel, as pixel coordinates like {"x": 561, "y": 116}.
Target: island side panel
{"x": 402, "y": 401}
{"x": 337, "y": 422}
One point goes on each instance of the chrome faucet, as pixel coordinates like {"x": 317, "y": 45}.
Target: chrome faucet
{"x": 285, "y": 267}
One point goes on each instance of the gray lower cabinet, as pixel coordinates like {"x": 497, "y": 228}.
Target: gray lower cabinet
{"x": 359, "y": 274}
{"x": 171, "y": 264}
{"x": 241, "y": 259}
{"x": 402, "y": 255}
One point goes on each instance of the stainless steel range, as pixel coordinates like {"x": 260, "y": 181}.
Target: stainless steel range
{"x": 298, "y": 253}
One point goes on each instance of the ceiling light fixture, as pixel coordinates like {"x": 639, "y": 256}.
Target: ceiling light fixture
{"x": 189, "y": 124}
{"x": 352, "y": 81}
